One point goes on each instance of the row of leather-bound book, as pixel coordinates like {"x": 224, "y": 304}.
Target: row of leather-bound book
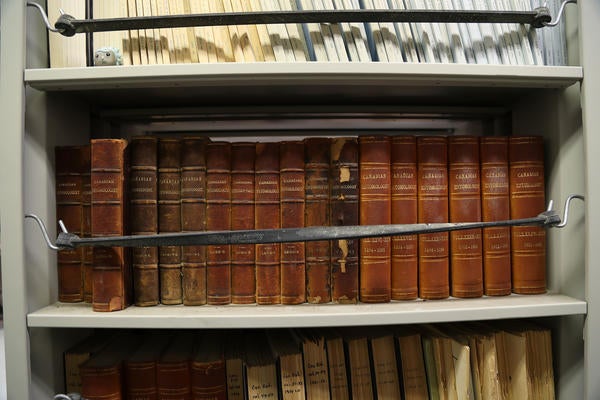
{"x": 168, "y": 185}
{"x": 495, "y": 360}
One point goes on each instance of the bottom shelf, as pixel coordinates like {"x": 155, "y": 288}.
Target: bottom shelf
{"x": 80, "y": 315}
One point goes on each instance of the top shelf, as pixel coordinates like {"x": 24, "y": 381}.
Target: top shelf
{"x": 307, "y": 83}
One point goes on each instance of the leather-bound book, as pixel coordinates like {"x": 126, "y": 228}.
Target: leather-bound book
{"x": 291, "y": 186}
{"x": 193, "y": 219}
{"x": 527, "y": 199}
{"x": 86, "y": 229}
{"x": 432, "y": 206}
{"x": 112, "y": 283}
{"x": 266, "y": 216}
{"x": 209, "y": 379}
{"x": 143, "y": 218}
{"x": 243, "y": 274}
{"x": 343, "y": 203}
{"x": 169, "y": 219}
{"x": 140, "y": 368}
{"x": 404, "y": 211}
{"x": 466, "y": 263}
{"x": 173, "y": 369}
{"x": 375, "y": 209}
{"x": 218, "y": 218}
{"x": 69, "y": 165}
{"x": 80, "y": 353}
{"x": 318, "y": 258}
{"x": 495, "y": 206}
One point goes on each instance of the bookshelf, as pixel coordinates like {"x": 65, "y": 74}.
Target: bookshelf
{"x": 41, "y": 108}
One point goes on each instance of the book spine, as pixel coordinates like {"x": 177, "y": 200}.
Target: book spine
{"x": 169, "y": 219}
{"x": 102, "y": 383}
{"x": 375, "y": 208}
{"x": 209, "y": 381}
{"x": 466, "y": 262}
{"x": 292, "y": 207}
{"x": 404, "y": 211}
{"x": 315, "y": 367}
{"x": 69, "y": 209}
{"x": 495, "y": 206}
{"x": 268, "y": 276}
{"x": 344, "y": 211}
{"x": 318, "y": 258}
{"x": 218, "y": 217}
{"x": 432, "y": 198}
{"x": 243, "y": 274}
{"x": 174, "y": 380}
{"x": 112, "y": 284}
{"x": 193, "y": 219}
{"x": 86, "y": 228}
{"x": 143, "y": 219}
{"x": 527, "y": 199}
{"x": 140, "y": 378}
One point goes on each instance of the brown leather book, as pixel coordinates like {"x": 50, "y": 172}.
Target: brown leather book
{"x": 432, "y": 198}
{"x": 527, "y": 199}
{"x": 375, "y": 208}
{"x": 343, "y": 203}
{"x": 495, "y": 206}
{"x": 209, "y": 380}
{"x": 218, "y": 218}
{"x": 169, "y": 219}
{"x": 266, "y": 216}
{"x": 112, "y": 283}
{"x": 193, "y": 219}
{"x": 86, "y": 229}
{"x": 69, "y": 167}
{"x": 404, "y": 211}
{"x": 173, "y": 369}
{"x": 243, "y": 279}
{"x": 318, "y": 257}
{"x": 140, "y": 368}
{"x": 143, "y": 218}
{"x": 291, "y": 186}
{"x": 464, "y": 185}
{"x": 80, "y": 353}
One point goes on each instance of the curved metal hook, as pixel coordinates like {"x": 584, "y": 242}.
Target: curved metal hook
{"x": 44, "y": 16}
{"x": 560, "y": 13}
{"x": 566, "y": 210}
{"x": 44, "y": 231}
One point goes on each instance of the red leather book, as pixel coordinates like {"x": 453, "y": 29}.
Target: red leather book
{"x": 173, "y": 369}
{"x": 140, "y": 368}
{"x": 404, "y": 211}
{"x": 343, "y": 203}
{"x": 291, "y": 186}
{"x": 209, "y": 380}
{"x": 243, "y": 279}
{"x": 495, "y": 206}
{"x": 432, "y": 198}
{"x": 69, "y": 167}
{"x": 86, "y": 229}
{"x": 169, "y": 219}
{"x": 266, "y": 216}
{"x": 218, "y": 218}
{"x": 112, "y": 283}
{"x": 466, "y": 262}
{"x": 527, "y": 199}
{"x": 193, "y": 219}
{"x": 143, "y": 218}
{"x": 318, "y": 256}
{"x": 375, "y": 208}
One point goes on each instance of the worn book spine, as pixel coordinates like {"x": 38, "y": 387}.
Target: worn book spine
{"x": 100, "y": 383}
{"x": 527, "y": 199}
{"x": 344, "y": 211}
{"x": 404, "y": 211}
{"x": 495, "y": 206}
{"x": 218, "y": 217}
{"x": 169, "y": 219}
{"x": 143, "y": 219}
{"x": 318, "y": 271}
{"x": 432, "y": 198}
{"x": 69, "y": 165}
{"x": 359, "y": 364}
{"x": 173, "y": 369}
{"x": 112, "y": 283}
{"x": 375, "y": 208}
{"x": 140, "y": 368}
{"x": 209, "y": 381}
{"x": 86, "y": 228}
{"x": 292, "y": 207}
{"x": 466, "y": 262}
{"x": 243, "y": 274}
{"x": 267, "y": 216}
{"x": 193, "y": 219}
{"x": 382, "y": 349}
